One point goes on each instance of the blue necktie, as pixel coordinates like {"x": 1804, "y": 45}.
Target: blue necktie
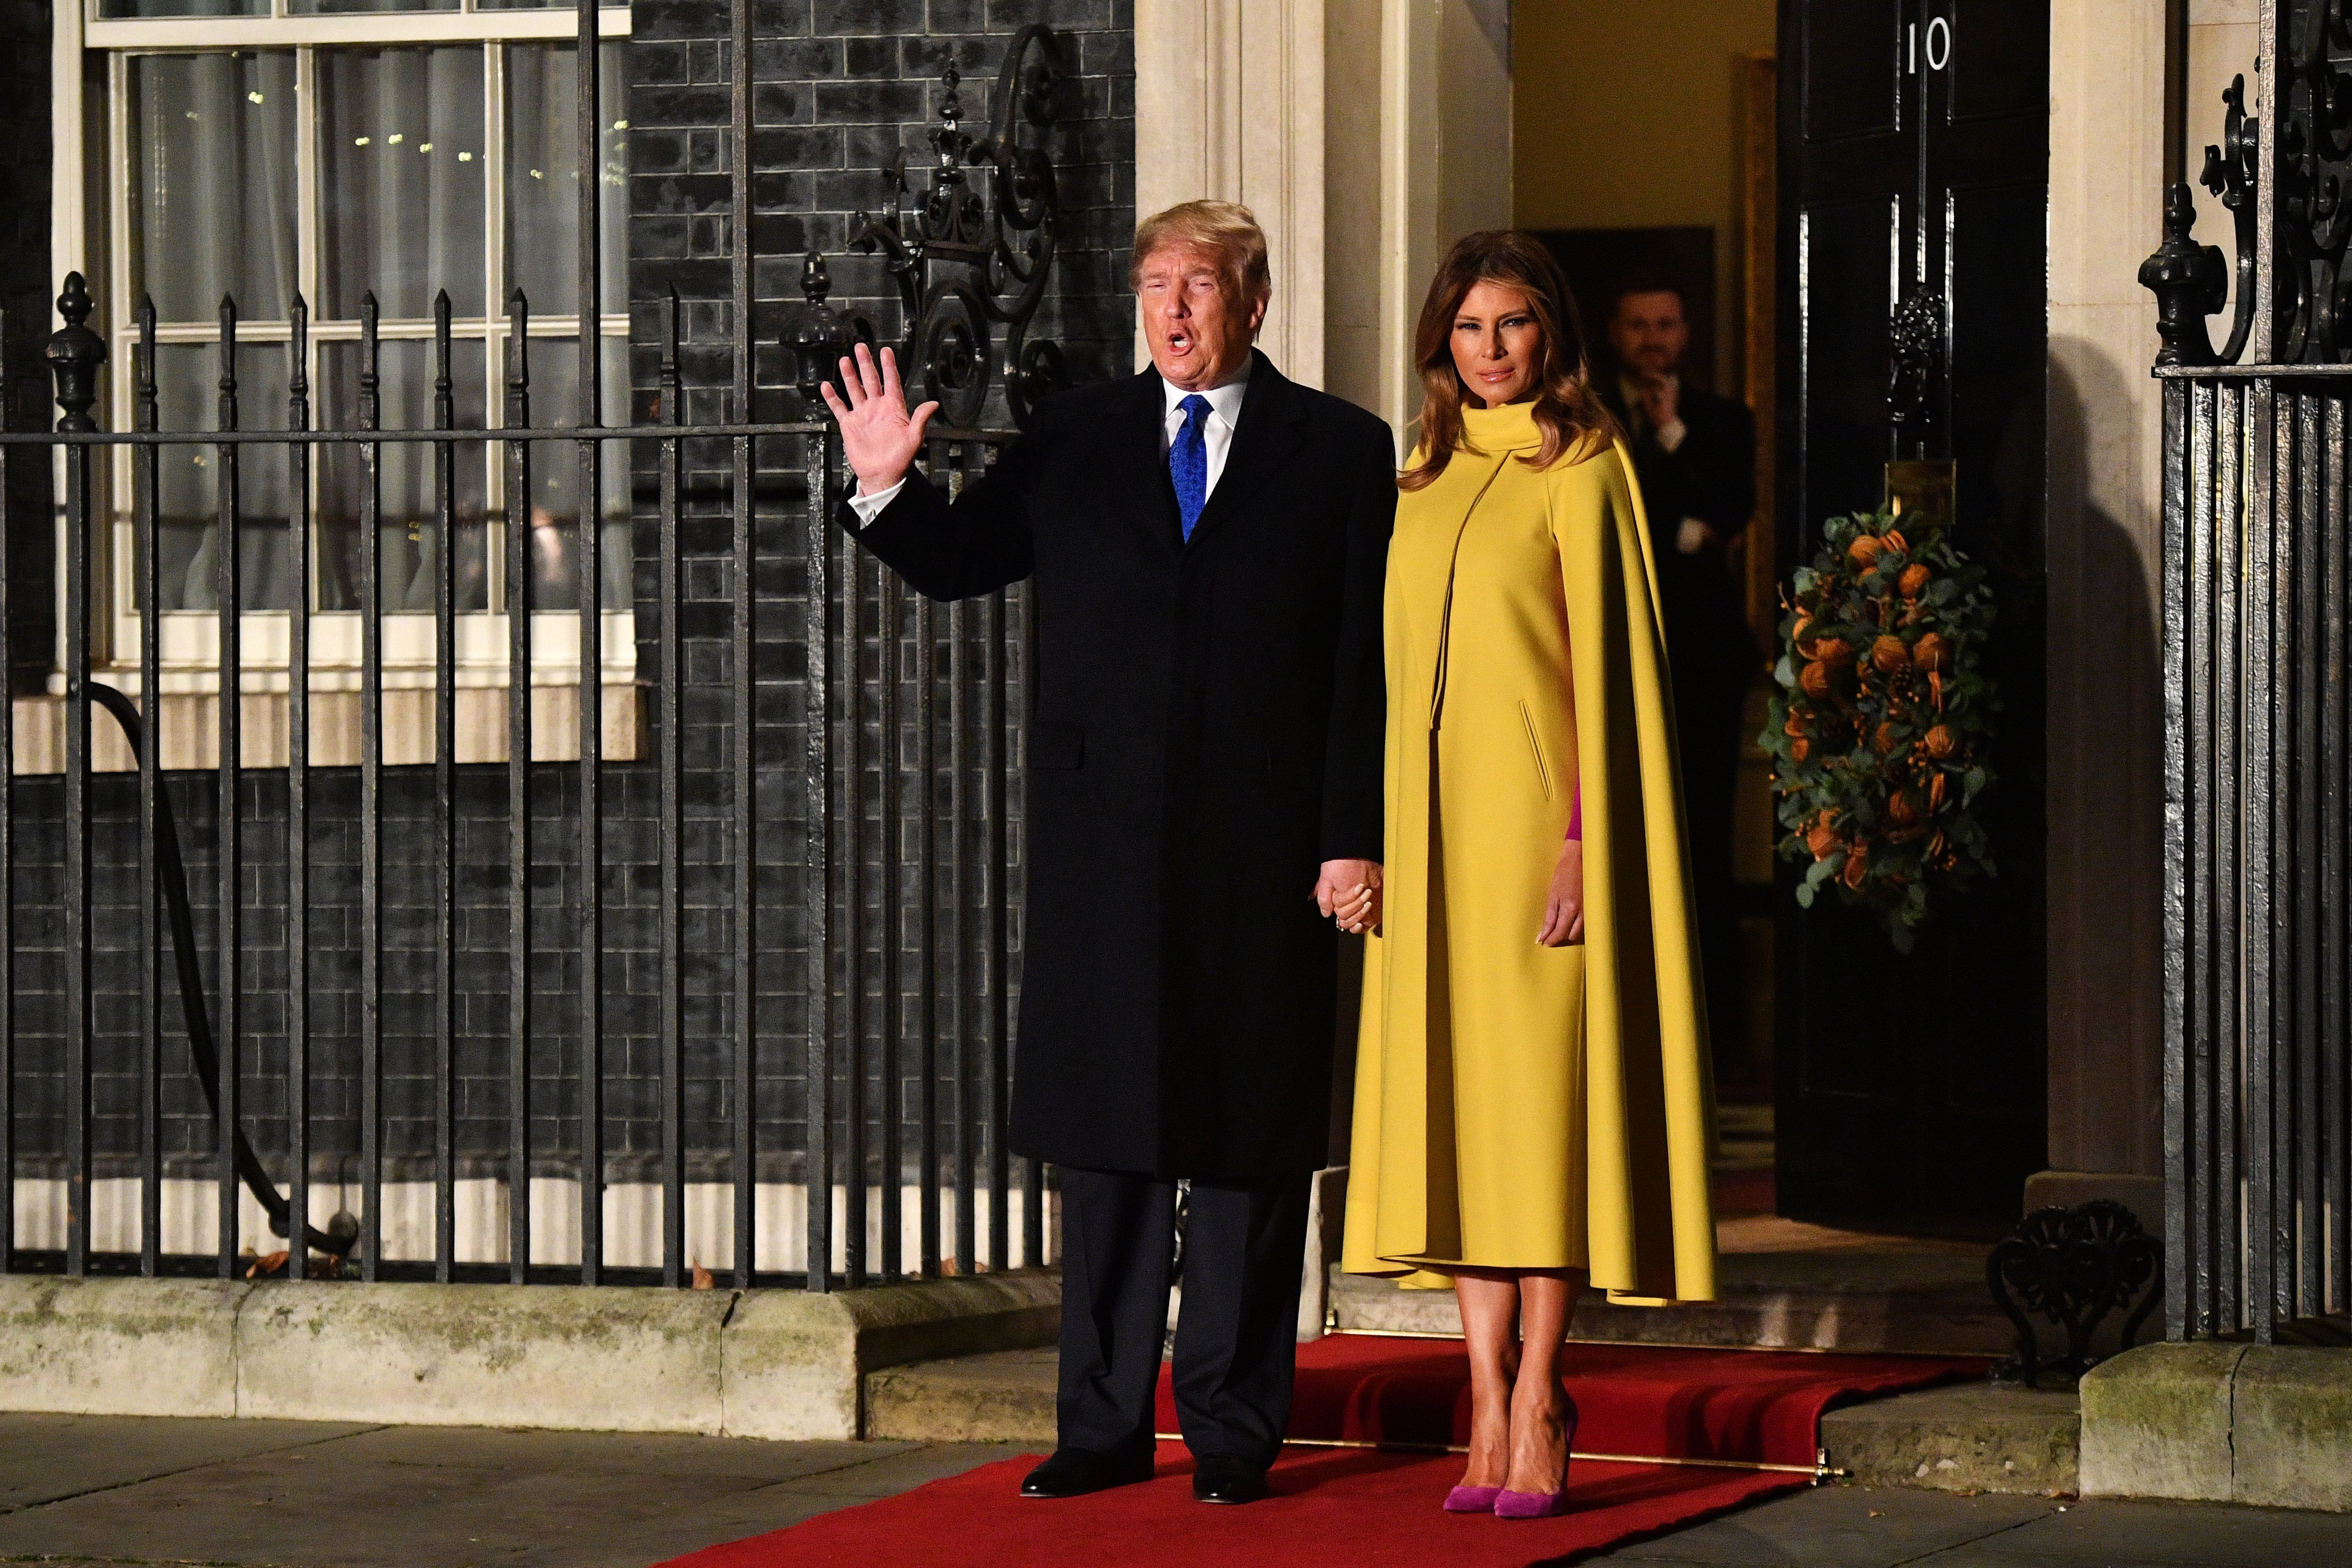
{"x": 1188, "y": 461}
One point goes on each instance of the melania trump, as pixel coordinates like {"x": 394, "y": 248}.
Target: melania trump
{"x": 1532, "y": 1091}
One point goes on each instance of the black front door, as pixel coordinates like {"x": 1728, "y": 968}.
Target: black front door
{"x": 1914, "y": 177}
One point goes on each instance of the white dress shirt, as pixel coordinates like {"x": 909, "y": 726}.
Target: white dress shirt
{"x": 1216, "y": 430}
{"x": 1216, "y": 434}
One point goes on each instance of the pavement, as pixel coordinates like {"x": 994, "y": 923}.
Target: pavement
{"x": 289, "y": 1494}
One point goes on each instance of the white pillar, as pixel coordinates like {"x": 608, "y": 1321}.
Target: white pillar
{"x": 1365, "y": 135}
{"x": 1229, "y": 104}
{"x": 1445, "y": 161}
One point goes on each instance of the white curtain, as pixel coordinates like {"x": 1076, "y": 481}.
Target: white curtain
{"x": 213, "y": 215}
{"x": 402, "y": 172}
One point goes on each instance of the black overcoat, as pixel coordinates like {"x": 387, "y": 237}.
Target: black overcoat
{"x": 1207, "y": 732}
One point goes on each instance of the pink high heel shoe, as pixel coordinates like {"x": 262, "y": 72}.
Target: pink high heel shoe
{"x": 1472, "y": 1499}
{"x": 1529, "y": 1505}
{"x": 1510, "y": 1504}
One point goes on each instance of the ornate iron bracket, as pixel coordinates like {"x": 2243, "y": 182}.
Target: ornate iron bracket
{"x": 2073, "y": 1267}
{"x": 968, "y": 253}
{"x": 2313, "y": 179}
{"x": 2189, "y": 280}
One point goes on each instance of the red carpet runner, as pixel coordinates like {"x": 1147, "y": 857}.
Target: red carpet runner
{"x": 1343, "y": 1506}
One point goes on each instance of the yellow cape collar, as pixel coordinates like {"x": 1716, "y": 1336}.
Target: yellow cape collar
{"x": 1505, "y": 429}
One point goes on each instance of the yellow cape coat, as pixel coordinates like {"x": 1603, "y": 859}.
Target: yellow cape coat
{"x": 1519, "y": 1106}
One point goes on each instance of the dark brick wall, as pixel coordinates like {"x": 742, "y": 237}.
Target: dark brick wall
{"x": 838, "y": 87}
{"x": 25, "y": 289}
{"x": 630, "y": 888}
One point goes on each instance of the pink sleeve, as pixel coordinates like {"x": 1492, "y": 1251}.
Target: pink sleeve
{"x": 1576, "y": 814}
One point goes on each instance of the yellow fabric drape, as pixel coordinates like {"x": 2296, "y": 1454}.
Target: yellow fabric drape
{"x": 1517, "y": 1106}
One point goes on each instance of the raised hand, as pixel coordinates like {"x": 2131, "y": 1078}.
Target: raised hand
{"x": 878, "y": 437}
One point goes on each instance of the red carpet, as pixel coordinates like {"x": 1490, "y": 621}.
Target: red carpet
{"x": 1341, "y": 1506}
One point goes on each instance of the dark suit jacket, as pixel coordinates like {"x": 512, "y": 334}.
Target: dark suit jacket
{"x": 1711, "y": 476}
{"x": 1207, "y": 732}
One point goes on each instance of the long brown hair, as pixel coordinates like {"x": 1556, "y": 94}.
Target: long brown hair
{"x": 1566, "y": 409}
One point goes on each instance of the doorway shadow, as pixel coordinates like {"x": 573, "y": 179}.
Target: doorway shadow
{"x": 2106, "y": 766}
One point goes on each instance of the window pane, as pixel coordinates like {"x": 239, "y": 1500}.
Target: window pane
{"x": 556, "y": 478}
{"x": 213, "y": 183}
{"x": 187, "y": 390}
{"x": 544, "y": 176}
{"x": 400, "y": 179}
{"x": 111, "y": 8}
{"x": 332, "y": 7}
{"x": 408, "y": 526}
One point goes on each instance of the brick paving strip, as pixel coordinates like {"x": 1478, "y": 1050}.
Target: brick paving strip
{"x": 133, "y": 1489}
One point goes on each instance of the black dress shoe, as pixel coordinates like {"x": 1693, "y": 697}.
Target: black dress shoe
{"x": 1221, "y": 1478}
{"x": 1074, "y": 1472}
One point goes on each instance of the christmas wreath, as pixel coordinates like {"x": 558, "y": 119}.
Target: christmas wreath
{"x": 1880, "y": 720}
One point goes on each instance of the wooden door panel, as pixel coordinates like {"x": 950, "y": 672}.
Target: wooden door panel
{"x": 1846, "y": 264}
{"x": 1998, "y": 60}
{"x": 1997, "y": 364}
{"x": 1853, "y": 70}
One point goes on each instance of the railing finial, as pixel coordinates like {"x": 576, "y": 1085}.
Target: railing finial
{"x": 2189, "y": 280}
{"x": 75, "y": 354}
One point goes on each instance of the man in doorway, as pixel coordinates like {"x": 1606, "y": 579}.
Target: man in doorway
{"x": 1695, "y": 457}
{"x": 1206, "y": 544}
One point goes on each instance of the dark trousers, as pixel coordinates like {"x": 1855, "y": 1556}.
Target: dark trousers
{"x": 1236, "y": 1339}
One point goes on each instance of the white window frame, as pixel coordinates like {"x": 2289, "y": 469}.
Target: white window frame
{"x": 189, "y": 638}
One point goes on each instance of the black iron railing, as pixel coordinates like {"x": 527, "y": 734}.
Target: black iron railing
{"x": 895, "y": 878}
{"x": 890, "y": 768}
{"x": 2257, "y": 563}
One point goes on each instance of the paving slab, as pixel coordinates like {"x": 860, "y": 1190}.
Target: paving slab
{"x": 1838, "y": 1527}
{"x": 917, "y": 1466}
{"x": 323, "y": 1497}
{"x": 641, "y": 1455}
{"x": 46, "y": 1458}
{"x": 320, "y": 1497}
{"x": 2102, "y": 1533}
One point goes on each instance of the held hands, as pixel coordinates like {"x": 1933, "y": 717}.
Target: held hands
{"x": 1564, "y": 908}
{"x": 1349, "y": 892}
{"x": 878, "y": 437}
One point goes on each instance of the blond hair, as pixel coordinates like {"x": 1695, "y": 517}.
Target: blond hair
{"x": 1226, "y": 230}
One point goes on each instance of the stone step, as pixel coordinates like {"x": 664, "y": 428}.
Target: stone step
{"x": 2221, "y": 1421}
{"x": 1001, "y": 1396}
{"x": 1926, "y": 1301}
{"x": 785, "y": 1365}
{"x": 1966, "y": 1437}
{"x": 1962, "y": 1438}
